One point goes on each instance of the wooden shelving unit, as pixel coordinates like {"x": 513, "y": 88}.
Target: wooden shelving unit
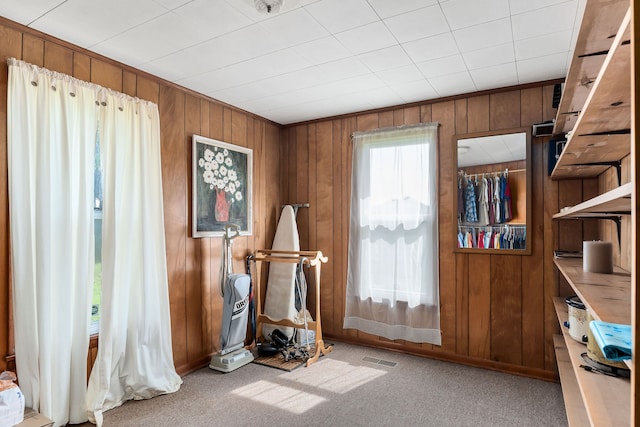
{"x": 614, "y": 202}
{"x": 595, "y": 112}
{"x": 600, "y": 136}
{"x": 576, "y": 412}
{"x": 606, "y": 296}
{"x": 606, "y": 400}
{"x": 601, "y": 19}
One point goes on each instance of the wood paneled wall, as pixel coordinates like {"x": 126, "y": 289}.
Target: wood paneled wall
{"x": 496, "y": 310}
{"x": 193, "y": 264}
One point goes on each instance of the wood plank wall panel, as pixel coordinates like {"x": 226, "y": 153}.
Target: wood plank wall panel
{"x": 312, "y": 162}
{"x": 193, "y": 264}
{"x": 532, "y": 293}
{"x": 10, "y": 47}
{"x": 496, "y": 310}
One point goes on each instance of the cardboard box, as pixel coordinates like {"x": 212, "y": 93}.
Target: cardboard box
{"x": 34, "y": 419}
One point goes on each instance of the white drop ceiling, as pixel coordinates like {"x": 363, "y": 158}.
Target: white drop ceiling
{"x": 320, "y": 58}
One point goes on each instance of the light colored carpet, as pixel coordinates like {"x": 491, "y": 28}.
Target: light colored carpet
{"x": 352, "y": 386}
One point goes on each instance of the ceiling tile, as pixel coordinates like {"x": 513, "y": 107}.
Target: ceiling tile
{"x": 521, "y": 6}
{"x": 341, "y": 15}
{"x": 294, "y": 28}
{"x": 431, "y": 47}
{"x": 174, "y": 4}
{"x": 415, "y": 91}
{"x": 24, "y": 12}
{"x": 453, "y": 84}
{"x": 211, "y": 18}
{"x": 241, "y": 45}
{"x": 343, "y": 68}
{"x": 442, "y": 66}
{"x": 323, "y": 50}
{"x": 502, "y": 75}
{"x": 487, "y": 57}
{"x": 149, "y": 41}
{"x": 542, "y": 68}
{"x": 252, "y": 70}
{"x": 543, "y": 45}
{"x": 176, "y": 66}
{"x": 307, "y": 77}
{"x": 466, "y": 13}
{"x": 418, "y": 24}
{"x": 381, "y": 97}
{"x": 366, "y": 38}
{"x": 386, "y": 8}
{"x": 483, "y": 35}
{"x": 383, "y": 59}
{"x": 87, "y": 23}
{"x": 317, "y": 58}
{"x": 406, "y": 74}
{"x": 544, "y": 21}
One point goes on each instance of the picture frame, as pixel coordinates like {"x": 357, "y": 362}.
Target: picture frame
{"x": 222, "y": 185}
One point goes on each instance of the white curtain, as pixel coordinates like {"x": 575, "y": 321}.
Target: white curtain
{"x": 392, "y": 274}
{"x": 52, "y": 123}
{"x": 135, "y": 359}
{"x": 51, "y": 138}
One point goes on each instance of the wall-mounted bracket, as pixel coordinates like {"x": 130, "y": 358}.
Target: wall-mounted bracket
{"x": 615, "y": 164}
{"x": 614, "y": 216}
{"x": 296, "y": 206}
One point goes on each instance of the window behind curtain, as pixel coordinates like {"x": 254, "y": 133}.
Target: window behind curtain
{"x": 94, "y": 327}
{"x": 393, "y": 257}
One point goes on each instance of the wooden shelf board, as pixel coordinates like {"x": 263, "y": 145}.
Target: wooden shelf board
{"x": 576, "y": 412}
{"x": 606, "y": 109}
{"x": 609, "y": 105}
{"x": 600, "y": 21}
{"x": 573, "y": 171}
{"x": 606, "y": 296}
{"x": 614, "y": 202}
{"x": 581, "y": 153}
{"x": 607, "y": 399}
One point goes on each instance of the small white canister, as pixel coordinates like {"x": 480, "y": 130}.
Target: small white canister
{"x": 578, "y": 322}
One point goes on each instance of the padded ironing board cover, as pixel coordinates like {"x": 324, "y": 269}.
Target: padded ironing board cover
{"x": 279, "y": 302}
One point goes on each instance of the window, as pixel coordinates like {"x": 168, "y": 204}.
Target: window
{"x": 97, "y": 230}
{"x": 392, "y": 282}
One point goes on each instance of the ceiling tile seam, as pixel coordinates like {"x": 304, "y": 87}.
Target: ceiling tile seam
{"x": 457, "y": 47}
{"x": 131, "y": 28}
{"x": 46, "y": 13}
{"x": 513, "y": 44}
{"x": 244, "y": 60}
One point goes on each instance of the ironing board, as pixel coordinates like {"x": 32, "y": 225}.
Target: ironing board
{"x": 312, "y": 258}
{"x": 279, "y": 302}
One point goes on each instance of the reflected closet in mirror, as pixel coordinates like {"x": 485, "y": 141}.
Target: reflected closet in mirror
{"x": 492, "y": 191}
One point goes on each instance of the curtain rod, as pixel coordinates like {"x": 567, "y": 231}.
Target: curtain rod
{"x": 392, "y": 128}
{"x": 508, "y": 171}
{"x": 494, "y": 226}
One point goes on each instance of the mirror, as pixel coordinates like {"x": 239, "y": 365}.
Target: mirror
{"x": 492, "y": 192}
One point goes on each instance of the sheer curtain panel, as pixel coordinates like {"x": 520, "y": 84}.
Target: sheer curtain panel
{"x": 51, "y": 136}
{"x": 53, "y": 122}
{"x": 135, "y": 358}
{"x": 392, "y": 273}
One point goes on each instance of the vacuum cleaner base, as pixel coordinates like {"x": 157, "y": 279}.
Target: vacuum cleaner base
{"x": 231, "y": 361}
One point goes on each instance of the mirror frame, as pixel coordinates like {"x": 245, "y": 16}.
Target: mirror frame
{"x": 528, "y": 247}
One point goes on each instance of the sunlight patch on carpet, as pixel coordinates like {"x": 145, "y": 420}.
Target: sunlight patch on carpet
{"x": 335, "y": 376}
{"x": 278, "y": 396}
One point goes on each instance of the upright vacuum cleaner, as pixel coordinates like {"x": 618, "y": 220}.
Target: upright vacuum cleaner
{"x": 236, "y": 291}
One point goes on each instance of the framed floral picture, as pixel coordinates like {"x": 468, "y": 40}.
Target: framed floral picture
{"x": 222, "y": 178}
